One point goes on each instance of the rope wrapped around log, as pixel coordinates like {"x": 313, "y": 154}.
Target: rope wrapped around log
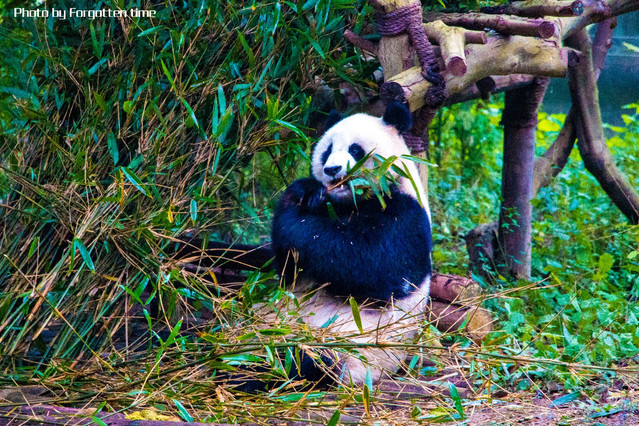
{"x": 409, "y": 19}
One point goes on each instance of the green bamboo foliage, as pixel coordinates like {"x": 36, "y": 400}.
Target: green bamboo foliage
{"x": 119, "y": 135}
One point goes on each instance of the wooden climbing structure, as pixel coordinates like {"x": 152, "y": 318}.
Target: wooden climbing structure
{"x": 434, "y": 58}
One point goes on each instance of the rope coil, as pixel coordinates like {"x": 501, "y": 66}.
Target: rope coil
{"x": 409, "y": 19}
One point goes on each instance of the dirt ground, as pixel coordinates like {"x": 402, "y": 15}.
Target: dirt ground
{"x": 26, "y": 406}
{"x": 540, "y": 412}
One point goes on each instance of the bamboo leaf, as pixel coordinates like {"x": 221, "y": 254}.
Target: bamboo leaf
{"x": 182, "y": 411}
{"x": 113, "y": 148}
{"x": 97, "y": 65}
{"x": 565, "y": 399}
{"x": 366, "y": 399}
{"x": 127, "y": 106}
{"x": 94, "y": 41}
{"x": 100, "y": 101}
{"x": 418, "y": 160}
{"x": 221, "y": 100}
{"x": 98, "y": 421}
{"x": 33, "y": 246}
{"x": 334, "y": 418}
{"x": 369, "y": 378}
{"x": 150, "y": 31}
{"x": 454, "y": 394}
{"x": 356, "y": 316}
{"x": 331, "y": 211}
{"x": 193, "y": 210}
{"x": 247, "y": 49}
{"x": 77, "y": 244}
{"x": 166, "y": 72}
{"x": 174, "y": 332}
{"x": 135, "y": 180}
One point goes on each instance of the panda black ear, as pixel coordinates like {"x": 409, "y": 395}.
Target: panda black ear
{"x": 398, "y": 115}
{"x": 333, "y": 117}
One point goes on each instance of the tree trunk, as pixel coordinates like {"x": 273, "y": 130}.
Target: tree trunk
{"x": 515, "y": 217}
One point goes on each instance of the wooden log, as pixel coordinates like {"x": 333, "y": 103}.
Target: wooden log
{"x": 502, "y": 83}
{"x": 507, "y": 55}
{"x": 453, "y": 288}
{"x": 452, "y": 41}
{"x": 500, "y": 56}
{"x": 594, "y": 11}
{"x": 506, "y": 25}
{"x": 470, "y": 36}
{"x": 448, "y": 318}
{"x": 396, "y": 54}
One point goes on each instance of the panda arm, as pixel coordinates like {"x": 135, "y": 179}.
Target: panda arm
{"x": 303, "y": 195}
{"x": 295, "y": 220}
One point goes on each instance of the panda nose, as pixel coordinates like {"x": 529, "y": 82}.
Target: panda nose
{"x": 332, "y": 171}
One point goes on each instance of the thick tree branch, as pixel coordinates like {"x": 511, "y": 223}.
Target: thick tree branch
{"x": 548, "y": 165}
{"x": 590, "y": 138}
{"x": 594, "y": 11}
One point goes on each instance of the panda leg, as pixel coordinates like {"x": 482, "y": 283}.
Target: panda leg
{"x": 317, "y": 369}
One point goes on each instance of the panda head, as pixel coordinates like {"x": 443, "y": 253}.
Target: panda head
{"x": 349, "y": 139}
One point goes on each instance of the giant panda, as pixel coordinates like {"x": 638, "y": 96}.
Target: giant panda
{"x": 377, "y": 255}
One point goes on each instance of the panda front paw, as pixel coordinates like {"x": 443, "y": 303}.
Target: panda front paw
{"x": 305, "y": 193}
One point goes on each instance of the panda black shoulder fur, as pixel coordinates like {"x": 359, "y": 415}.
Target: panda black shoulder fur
{"x": 379, "y": 256}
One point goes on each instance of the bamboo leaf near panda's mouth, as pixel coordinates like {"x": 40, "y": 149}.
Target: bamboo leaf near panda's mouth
{"x": 359, "y": 164}
{"x": 385, "y": 164}
{"x": 351, "y": 185}
{"x": 356, "y": 317}
{"x": 379, "y": 195}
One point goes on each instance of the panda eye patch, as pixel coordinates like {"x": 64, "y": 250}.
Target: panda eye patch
{"x": 356, "y": 151}
{"x": 326, "y": 154}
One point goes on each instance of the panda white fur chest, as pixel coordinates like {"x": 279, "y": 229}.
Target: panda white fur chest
{"x": 379, "y": 256}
